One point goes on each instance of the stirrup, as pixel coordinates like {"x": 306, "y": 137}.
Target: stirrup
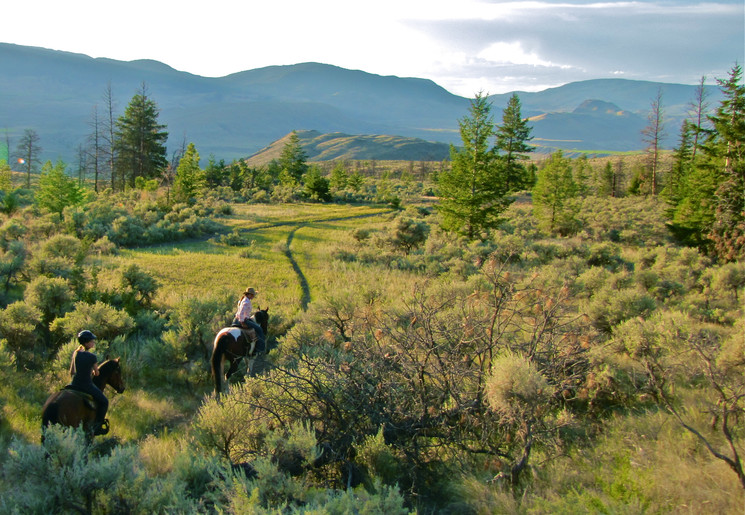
{"x": 103, "y": 428}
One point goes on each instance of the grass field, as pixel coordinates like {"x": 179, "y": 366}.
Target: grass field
{"x": 206, "y": 269}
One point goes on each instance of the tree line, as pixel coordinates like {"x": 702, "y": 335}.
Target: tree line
{"x": 704, "y": 189}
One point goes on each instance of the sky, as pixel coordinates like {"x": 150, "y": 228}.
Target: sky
{"x": 465, "y": 46}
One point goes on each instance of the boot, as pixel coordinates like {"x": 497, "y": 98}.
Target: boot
{"x": 101, "y": 428}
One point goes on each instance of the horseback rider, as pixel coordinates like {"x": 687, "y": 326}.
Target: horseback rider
{"x": 243, "y": 318}
{"x": 82, "y": 369}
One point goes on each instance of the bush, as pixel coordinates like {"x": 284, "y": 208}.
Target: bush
{"x": 611, "y": 306}
{"x": 105, "y": 321}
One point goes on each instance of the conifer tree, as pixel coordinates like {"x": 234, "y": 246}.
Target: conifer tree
{"x": 554, "y": 195}
{"x": 190, "y": 179}
{"x": 512, "y": 144}
{"x": 473, "y": 192}
{"x": 57, "y": 190}
{"x": 140, "y": 141}
{"x": 293, "y": 160}
{"x": 710, "y": 209}
{"x": 682, "y": 162}
{"x": 726, "y": 151}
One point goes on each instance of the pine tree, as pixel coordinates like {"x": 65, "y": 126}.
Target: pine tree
{"x": 726, "y": 151}
{"x": 710, "y": 211}
{"x": 605, "y": 182}
{"x": 190, "y": 179}
{"x": 512, "y": 144}
{"x": 682, "y": 162}
{"x": 57, "y": 190}
{"x": 472, "y": 192}
{"x": 293, "y": 160}
{"x": 554, "y": 195}
{"x": 140, "y": 140}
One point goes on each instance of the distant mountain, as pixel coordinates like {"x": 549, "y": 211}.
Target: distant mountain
{"x": 329, "y": 146}
{"x": 580, "y": 128}
{"x": 231, "y": 117}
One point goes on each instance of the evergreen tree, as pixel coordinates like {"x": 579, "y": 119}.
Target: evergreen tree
{"x": 472, "y": 192}
{"x": 140, "y": 141}
{"x": 339, "y": 177}
{"x": 581, "y": 172}
{"x": 293, "y": 160}
{"x": 57, "y": 190}
{"x": 554, "y": 195}
{"x": 709, "y": 209}
{"x": 190, "y": 179}
{"x": 682, "y": 162}
{"x": 316, "y": 186}
{"x": 215, "y": 173}
{"x": 512, "y": 144}
{"x": 726, "y": 153}
{"x": 605, "y": 183}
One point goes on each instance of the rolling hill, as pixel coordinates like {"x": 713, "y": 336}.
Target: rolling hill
{"x": 330, "y": 146}
{"x": 55, "y": 93}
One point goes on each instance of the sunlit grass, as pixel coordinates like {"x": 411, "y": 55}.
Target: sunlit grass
{"x": 138, "y": 412}
{"x": 205, "y": 269}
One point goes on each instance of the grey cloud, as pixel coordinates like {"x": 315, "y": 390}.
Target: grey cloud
{"x": 663, "y": 42}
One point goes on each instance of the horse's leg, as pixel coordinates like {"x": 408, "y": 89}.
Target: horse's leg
{"x": 233, "y": 368}
{"x": 217, "y": 360}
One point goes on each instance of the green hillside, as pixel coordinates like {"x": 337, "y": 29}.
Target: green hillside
{"x": 331, "y": 146}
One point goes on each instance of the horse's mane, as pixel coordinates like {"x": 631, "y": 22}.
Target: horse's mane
{"x": 108, "y": 366}
{"x": 262, "y": 318}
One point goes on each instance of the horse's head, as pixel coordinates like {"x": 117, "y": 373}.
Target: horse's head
{"x": 262, "y": 318}
{"x": 111, "y": 373}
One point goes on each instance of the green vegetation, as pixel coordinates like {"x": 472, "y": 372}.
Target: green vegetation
{"x": 593, "y": 364}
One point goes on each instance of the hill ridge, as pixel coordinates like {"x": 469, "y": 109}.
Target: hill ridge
{"x": 54, "y": 92}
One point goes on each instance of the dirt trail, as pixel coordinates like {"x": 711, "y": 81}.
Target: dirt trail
{"x": 306, "y": 296}
{"x": 305, "y": 299}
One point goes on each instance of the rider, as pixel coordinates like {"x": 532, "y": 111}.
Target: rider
{"x": 82, "y": 369}
{"x": 243, "y": 318}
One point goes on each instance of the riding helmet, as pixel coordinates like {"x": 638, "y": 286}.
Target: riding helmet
{"x": 86, "y": 336}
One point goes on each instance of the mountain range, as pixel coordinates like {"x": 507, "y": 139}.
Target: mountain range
{"x": 236, "y": 116}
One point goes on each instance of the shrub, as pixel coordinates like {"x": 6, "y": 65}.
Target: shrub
{"x": 18, "y": 322}
{"x": 611, "y": 306}
{"x": 105, "y": 321}
{"x": 515, "y": 389}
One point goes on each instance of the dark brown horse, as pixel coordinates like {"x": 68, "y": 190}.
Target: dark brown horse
{"x": 232, "y": 344}
{"x": 71, "y": 408}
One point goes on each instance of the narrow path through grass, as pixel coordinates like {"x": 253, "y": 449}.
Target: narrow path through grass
{"x": 305, "y": 287}
{"x": 305, "y": 299}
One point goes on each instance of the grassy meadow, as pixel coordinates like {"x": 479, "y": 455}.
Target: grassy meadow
{"x": 374, "y": 353}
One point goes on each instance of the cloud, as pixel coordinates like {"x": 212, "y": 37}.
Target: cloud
{"x": 513, "y": 53}
{"x": 465, "y": 46}
{"x": 533, "y": 45}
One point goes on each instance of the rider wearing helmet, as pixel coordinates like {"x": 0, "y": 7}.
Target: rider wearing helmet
{"x": 243, "y": 318}
{"x": 82, "y": 369}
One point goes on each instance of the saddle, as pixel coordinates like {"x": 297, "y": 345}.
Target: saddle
{"x": 249, "y": 333}
{"x": 88, "y": 399}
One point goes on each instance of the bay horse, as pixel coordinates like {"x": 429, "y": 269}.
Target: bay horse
{"x": 72, "y": 408}
{"x": 232, "y": 344}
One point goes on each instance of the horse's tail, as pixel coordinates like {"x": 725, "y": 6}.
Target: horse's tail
{"x": 218, "y": 362}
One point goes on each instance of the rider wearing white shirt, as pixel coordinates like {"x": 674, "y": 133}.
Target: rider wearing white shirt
{"x": 243, "y": 318}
